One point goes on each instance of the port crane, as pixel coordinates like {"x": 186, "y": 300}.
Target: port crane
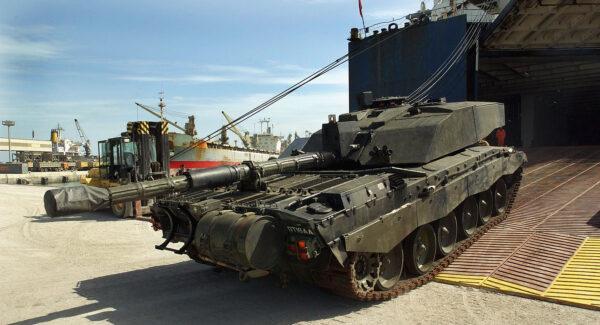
{"x": 159, "y": 115}
{"x": 244, "y": 137}
{"x": 87, "y": 146}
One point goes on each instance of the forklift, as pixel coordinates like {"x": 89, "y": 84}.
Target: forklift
{"x": 140, "y": 154}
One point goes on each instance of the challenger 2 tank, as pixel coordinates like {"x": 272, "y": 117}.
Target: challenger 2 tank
{"x": 376, "y": 203}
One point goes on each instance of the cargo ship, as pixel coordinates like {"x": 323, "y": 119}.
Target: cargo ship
{"x": 191, "y": 154}
{"x": 187, "y": 152}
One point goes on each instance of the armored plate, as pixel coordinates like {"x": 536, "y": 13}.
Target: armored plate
{"x": 409, "y": 134}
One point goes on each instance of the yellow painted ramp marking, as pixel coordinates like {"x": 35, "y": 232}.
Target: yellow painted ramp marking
{"x": 506, "y": 286}
{"x": 577, "y": 283}
{"x": 469, "y": 280}
{"x": 579, "y": 280}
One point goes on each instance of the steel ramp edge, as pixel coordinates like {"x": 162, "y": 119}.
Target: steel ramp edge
{"x": 577, "y": 284}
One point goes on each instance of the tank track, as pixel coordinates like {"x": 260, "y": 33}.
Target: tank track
{"x": 340, "y": 280}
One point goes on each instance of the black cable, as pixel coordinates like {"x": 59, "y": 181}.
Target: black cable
{"x": 462, "y": 47}
{"x": 457, "y": 52}
{"x": 341, "y": 60}
{"x": 334, "y": 64}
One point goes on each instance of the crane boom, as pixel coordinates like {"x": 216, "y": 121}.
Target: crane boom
{"x": 151, "y": 111}
{"x": 87, "y": 146}
{"x": 235, "y": 130}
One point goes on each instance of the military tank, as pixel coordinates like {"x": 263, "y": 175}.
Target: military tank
{"x": 376, "y": 203}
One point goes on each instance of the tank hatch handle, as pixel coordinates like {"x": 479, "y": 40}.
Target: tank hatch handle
{"x": 318, "y": 208}
{"x": 338, "y": 250}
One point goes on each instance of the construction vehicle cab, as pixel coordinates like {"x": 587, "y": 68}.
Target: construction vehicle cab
{"x": 140, "y": 154}
{"x": 117, "y": 159}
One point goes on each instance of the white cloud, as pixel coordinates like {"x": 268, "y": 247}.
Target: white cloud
{"x": 303, "y": 111}
{"x": 296, "y": 113}
{"x": 19, "y": 46}
{"x": 319, "y": 1}
{"x": 12, "y": 48}
{"x": 26, "y": 43}
{"x": 235, "y": 69}
{"x": 393, "y": 11}
{"x": 389, "y": 13}
{"x": 280, "y": 75}
{"x": 182, "y": 79}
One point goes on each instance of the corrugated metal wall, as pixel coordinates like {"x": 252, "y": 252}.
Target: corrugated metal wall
{"x": 400, "y": 64}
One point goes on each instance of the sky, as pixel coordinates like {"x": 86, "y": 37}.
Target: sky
{"x": 91, "y": 60}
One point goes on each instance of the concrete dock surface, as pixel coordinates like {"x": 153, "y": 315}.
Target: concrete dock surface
{"x": 96, "y": 268}
{"x": 36, "y": 177}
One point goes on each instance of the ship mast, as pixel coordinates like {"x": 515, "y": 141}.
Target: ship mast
{"x": 162, "y": 105}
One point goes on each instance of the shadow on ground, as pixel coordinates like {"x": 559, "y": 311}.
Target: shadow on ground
{"x": 188, "y": 292}
{"x": 100, "y": 216}
{"x": 594, "y": 221}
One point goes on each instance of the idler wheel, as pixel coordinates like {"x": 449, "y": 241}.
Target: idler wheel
{"x": 421, "y": 250}
{"x": 485, "y": 205}
{"x": 366, "y": 268}
{"x": 500, "y": 197}
{"x": 122, "y": 209}
{"x": 392, "y": 264}
{"x": 446, "y": 234}
{"x": 467, "y": 220}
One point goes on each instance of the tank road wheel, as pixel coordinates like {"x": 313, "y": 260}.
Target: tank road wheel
{"x": 446, "y": 234}
{"x": 421, "y": 250}
{"x": 500, "y": 197}
{"x": 485, "y": 207}
{"x": 467, "y": 217}
{"x": 366, "y": 270}
{"x": 122, "y": 210}
{"x": 392, "y": 264}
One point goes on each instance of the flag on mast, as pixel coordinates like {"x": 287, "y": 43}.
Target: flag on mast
{"x": 360, "y": 7}
{"x": 361, "y": 14}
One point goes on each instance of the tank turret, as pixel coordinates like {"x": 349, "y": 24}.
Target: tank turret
{"x": 406, "y": 134}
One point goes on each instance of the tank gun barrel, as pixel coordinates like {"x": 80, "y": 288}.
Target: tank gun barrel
{"x": 68, "y": 200}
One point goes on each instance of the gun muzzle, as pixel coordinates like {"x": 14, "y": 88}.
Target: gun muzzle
{"x": 77, "y": 199}
{"x": 74, "y": 199}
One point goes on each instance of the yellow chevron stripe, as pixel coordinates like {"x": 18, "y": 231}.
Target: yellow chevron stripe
{"x": 143, "y": 128}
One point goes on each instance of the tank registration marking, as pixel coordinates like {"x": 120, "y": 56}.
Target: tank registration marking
{"x": 300, "y": 230}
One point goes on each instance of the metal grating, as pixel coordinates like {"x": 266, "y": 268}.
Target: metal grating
{"x": 540, "y": 244}
{"x": 548, "y": 197}
{"x": 484, "y": 256}
{"x": 537, "y": 262}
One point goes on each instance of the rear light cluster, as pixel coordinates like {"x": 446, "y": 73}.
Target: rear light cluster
{"x": 301, "y": 250}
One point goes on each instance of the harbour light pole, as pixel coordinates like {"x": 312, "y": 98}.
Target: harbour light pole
{"x": 8, "y": 124}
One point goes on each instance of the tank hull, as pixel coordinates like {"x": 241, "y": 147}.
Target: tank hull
{"x": 383, "y": 199}
{"x": 326, "y": 219}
